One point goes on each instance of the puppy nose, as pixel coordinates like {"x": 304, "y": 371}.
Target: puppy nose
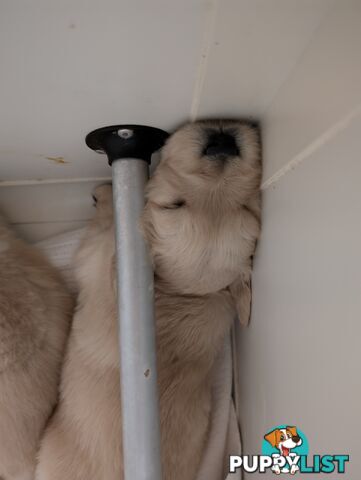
{"x": 221, "y": 144}
{"x": 296, "y": 438}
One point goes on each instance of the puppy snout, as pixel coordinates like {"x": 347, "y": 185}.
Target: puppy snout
{"x": 220, "y": 144}
{"x": 296, "y": 438}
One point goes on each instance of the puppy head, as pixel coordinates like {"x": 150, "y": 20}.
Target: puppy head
{"x": 194, "y": 218}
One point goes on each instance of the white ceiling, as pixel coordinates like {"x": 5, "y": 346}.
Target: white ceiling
{"x": 69, "y": 66}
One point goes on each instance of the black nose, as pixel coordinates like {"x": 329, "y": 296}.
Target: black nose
{"x": 221, "y": 144}
{"x": 296, "y": 438}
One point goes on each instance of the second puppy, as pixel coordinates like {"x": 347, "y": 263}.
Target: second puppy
{"x": 201, "y": 222}
{"x": 35, "y": 313}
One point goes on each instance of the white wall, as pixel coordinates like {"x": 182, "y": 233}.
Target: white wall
{"x": 299, "y": 361}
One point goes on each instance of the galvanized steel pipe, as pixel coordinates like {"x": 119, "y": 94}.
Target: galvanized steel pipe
{"x": 129, "y": 149}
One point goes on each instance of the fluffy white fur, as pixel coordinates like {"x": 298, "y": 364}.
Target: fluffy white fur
{"x": 201, "y": 222}
{"x": 35, "y": 310}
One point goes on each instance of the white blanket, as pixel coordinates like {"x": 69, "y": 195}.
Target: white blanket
{"x": 224, "y": 439}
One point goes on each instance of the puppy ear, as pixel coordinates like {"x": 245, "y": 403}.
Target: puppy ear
{"x": 241, "y": 292}
{"x": 293, "y": 430}
{"x": 271, "y": 438}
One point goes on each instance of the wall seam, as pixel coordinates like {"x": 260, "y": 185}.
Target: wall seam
{"x": 51, "y": 181}
{"x": 313, "y": 147}
{"x": 208, "y": 35}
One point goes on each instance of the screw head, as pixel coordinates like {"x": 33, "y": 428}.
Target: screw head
{"x": 125, "y": 133}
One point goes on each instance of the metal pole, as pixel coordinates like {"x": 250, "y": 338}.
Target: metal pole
{"x": 141, "y": 444}
{"x": 129, "y": 148}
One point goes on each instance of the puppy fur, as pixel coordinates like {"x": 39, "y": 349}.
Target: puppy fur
{"x": 201, "y": 222}
{"x": 35, "y": 310}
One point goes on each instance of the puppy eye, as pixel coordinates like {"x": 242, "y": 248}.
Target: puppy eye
{"x": 174, "y": 205}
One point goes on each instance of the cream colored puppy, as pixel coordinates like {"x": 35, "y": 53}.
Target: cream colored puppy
{"x": 201, "y": 222}
{"x": 35, "y": 310}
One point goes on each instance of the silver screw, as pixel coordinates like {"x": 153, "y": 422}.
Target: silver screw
{"x": 125, "y": 133}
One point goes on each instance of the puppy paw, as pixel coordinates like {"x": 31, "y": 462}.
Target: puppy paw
{"x": 103, "y": 198}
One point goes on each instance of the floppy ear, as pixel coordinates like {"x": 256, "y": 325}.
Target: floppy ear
{"x": 241, "y": 292}
{"x": 271, "y": 438}
{"x": 293, "y": 430}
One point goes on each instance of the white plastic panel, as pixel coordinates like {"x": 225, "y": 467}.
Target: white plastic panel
{"x": 40, "y": 211}
{"x": 300, "y": 358}
{"x": 253, "y": 48}
{"x": 53, "y": 202}
{"x": 71, "y": 66}
{"x": 322, "y": 93}
{"x": 38, "y": 231}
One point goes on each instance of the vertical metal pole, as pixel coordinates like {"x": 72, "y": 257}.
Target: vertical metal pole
{"x": 129, "y": 149}
{"x": 141, "y": 444}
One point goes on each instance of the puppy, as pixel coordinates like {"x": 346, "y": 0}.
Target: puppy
{"x": 201, "y": 222}
{"x": 35, "y": 310}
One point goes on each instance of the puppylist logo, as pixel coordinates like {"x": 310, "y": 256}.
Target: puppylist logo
{"x": 285, "y": 451}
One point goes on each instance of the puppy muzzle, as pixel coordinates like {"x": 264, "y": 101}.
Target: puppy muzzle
{"x": 221, "y": 146}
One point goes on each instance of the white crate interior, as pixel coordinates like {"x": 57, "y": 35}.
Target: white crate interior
{"x": 70, "y": 66}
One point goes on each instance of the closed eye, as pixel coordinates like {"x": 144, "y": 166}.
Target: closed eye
{"x": 174, "y": 205}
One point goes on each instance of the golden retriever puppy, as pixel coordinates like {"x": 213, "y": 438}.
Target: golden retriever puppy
{"x": 35, "y": 310}
{"x": 201, "y": 222}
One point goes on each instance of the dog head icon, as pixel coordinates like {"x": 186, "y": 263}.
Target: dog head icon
{"x": 284, "y": 439}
